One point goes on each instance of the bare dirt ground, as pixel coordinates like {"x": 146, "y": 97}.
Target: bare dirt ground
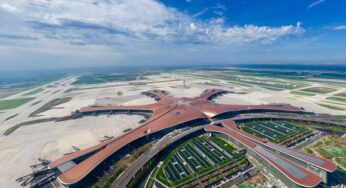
{"x": 51, "y": 140}
{"x": 258, "y": 180}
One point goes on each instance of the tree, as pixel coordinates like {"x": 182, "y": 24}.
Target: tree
{"x": 120, "y": 93}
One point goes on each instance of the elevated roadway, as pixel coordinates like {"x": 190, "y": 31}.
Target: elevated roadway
{"x": 123, "y": 180}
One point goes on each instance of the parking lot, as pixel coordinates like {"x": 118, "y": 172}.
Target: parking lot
{"x": 274, "y": 131}
{"x": 198, "y": 155}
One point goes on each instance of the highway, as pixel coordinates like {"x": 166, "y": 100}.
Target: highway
{"x": 158, "y": 146}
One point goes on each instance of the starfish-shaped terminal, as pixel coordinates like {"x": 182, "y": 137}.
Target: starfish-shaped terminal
{"x": 166, "y": 114}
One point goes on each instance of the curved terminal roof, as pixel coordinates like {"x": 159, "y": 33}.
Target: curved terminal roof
{"x": 311, "y": 159}
{"x": 167, "y": 112}
{"x": 294, "y": 172}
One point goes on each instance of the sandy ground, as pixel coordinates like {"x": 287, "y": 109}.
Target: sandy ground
{"x": 67, "y": 108}
{"x": 52, "y": 139}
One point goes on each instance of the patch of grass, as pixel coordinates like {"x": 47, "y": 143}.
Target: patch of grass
{"x": 308, "y": 150}
{"x": 104, "y": 78}
{"x": 14, "y": 128}
{"x": 343, "y": 94}
{"x": 33, "y": 92}
{"x": 338, "y": 99}
{"x": 13, "y": 103}
{"x": 55, "y": 91}
{"x": 272, "y": 88}
{"x": 330, "y": 147}
{"x": 10, "y": 117}
{"x": 150, "y": 179}
{"x": 332, "y": 107}
{"x": 321, "y": 90}
{"x": 250, "y": 131}
{"x": 119, "y": 93}
{"x": 50, "y": 104}
{"x": 302, "y": 93}
{"x": 222, "y": 143}
{"x": 33, "y": 104}
{"x": 51, "y": 86}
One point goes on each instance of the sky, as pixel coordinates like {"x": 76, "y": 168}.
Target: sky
{"x": 58, "y": 34}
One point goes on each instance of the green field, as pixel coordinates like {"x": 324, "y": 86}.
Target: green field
{"x": 197, "y": 156}
{"x": 104, "y": 78}
{"x": 338, "y": 99}
{"x": 51, "y": 86}
{"x": 283, "y": 132}
{"x": 332, "y": 107}
{"x": 302, "y": 93}
{"x": 250, "y": 80}
{"x": 50, "y": 104}
{"x": 33, "y": 104}
{"x": 13, "y": 103}
{"x": 343, "y": 94}
{"x": 33, "y": 92}
{"x": 10, "y": 117}
{"x": 14, "y": 128}
{"x": 320, "y": 90}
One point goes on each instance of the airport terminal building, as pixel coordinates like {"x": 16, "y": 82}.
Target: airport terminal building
{"x": 293, "y": 168}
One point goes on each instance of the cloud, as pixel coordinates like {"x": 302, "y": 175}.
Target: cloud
{"x": 124, "y": 26}
{"x": 250, "y": 33}
{"x": 315, "y": 3}
{"x": 16, "y": 37}
{"x": 7, "y": 7}
{"x": 340, "y": 27}
{"x": 88, "y": 21}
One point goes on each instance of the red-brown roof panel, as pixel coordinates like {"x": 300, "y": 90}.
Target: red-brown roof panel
{"x": 297, "y": 174}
